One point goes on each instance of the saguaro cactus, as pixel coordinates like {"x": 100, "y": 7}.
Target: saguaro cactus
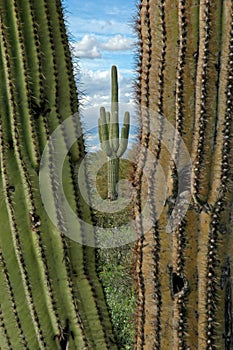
{"x": 109, "y": 136}
{"x": 50, "y": 293}
{"x": 185, "y": 273}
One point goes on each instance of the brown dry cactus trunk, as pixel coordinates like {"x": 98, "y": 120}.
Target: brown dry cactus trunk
{"x": 184, "y": 274}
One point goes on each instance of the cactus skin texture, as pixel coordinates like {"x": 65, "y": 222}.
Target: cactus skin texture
{"x": 185, "y": 73}
{"x": 50, "y": 295}
{"x": 108, "y": 127}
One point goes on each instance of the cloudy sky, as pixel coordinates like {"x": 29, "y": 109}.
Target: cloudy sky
{"x": 102, "y": 35}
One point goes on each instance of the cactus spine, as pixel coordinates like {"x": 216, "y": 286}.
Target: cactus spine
{"x": 185, "y": 74}
{"x": 109, "y": 136}
{"x": 50, "y": 290}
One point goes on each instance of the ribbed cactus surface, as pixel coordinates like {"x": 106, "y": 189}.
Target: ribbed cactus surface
{"x": 184, "y": 273}
{"x": 50, "y": 294}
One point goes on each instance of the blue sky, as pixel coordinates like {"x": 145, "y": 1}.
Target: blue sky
{"x": 102, "y": 35}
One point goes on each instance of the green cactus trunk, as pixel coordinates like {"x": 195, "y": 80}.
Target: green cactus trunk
{"x": 185, "y": 272}
{"x": 50, "y": 291}
{"x": 113, "y": 171}
{"x": 108, "y": 127}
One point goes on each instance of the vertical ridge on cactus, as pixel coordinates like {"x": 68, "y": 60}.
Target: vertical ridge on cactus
{"x": 48, "y": 280}
{"x": 185, "y": 75}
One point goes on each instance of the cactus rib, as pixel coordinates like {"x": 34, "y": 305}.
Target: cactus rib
{"x": 60, "y": 247}
{"x": 4, "y": 330}
{"x": 26, "y": 181}
{"x": 19, "y": 252}
{"x": 14, "y": 304}
{"x": 139, "y": 341}
{"x": 205, "y": 104}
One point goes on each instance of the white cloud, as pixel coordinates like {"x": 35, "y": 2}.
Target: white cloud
{"x": 87, "y": 47}
{"x": 117, "y": 43}
{"x": 90, "y": 47}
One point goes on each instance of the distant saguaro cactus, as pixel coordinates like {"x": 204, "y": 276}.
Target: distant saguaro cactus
{"x": 50, "y": 294}
{"x": 184, "y": 274}
{"x": 109, "y": 136}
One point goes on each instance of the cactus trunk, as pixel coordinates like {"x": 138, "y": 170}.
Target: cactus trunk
{"x": 185, "y": 272}
{"x": 113, "y": 171}
{"x": 50, "y": 291}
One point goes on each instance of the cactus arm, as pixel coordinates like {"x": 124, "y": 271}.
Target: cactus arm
{"x": 124, "y": 135}
{"x": 104, "y": 132}
{"x": 127, "y": 121}
{"x": 99, "y": 131}
{"x": 124, "y": 142}
{"x": 108, "y": 114}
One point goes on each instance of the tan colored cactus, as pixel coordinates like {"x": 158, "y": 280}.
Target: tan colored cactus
{"x": 184, "y": 274}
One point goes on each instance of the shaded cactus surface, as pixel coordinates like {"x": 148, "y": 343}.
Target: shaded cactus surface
{"x": 185, "y": 75}
{"x": 50, "y": 292}
{"x": 109, "y": 136}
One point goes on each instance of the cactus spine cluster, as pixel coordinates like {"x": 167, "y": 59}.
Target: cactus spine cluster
{"x": 50, "y": 292}
{"x": 109, "y": 136}
{"x": 186, "y": 75}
